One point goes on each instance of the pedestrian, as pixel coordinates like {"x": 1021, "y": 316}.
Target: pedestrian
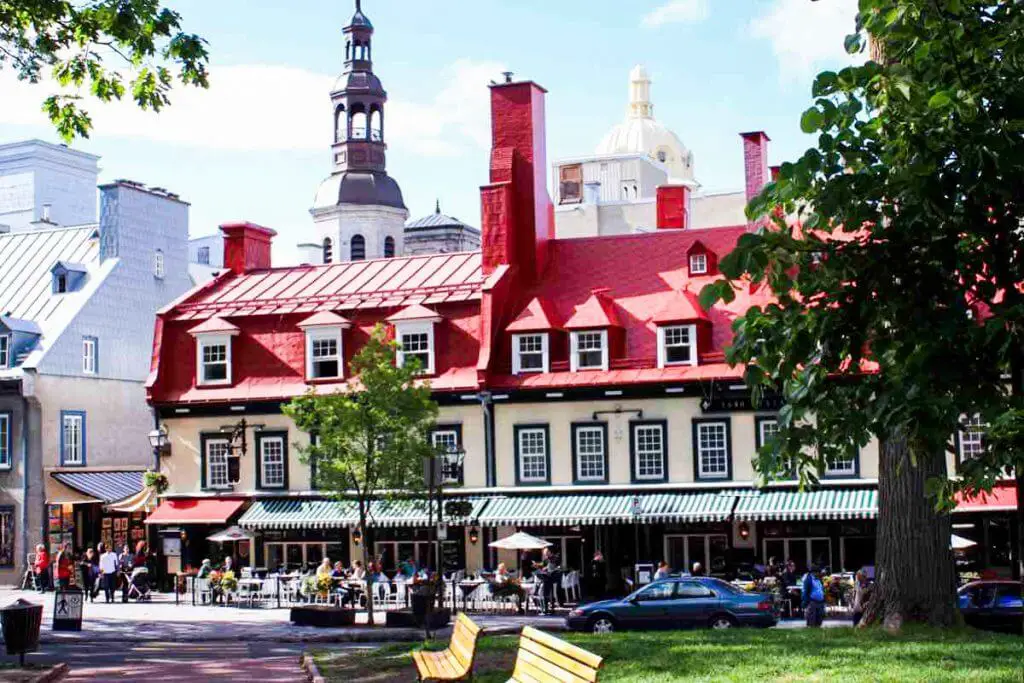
{"x": 546, "y": 570}
{"x": 108, "y": 572}
{"x": 41, "y": 569}
{"x": 860, "y": 586}
{"x": 124, "y": 568}
{"x": 64, "y": 567}
{"x": 89, "y": 566}
{"x": 698, "y": 569}
{"x": 139, "y": 560}
{"x": 663, "y": 571}
{"x": 813, "y": 597}
{"x": 598, "y": 575}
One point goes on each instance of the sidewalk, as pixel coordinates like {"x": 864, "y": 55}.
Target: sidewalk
{"x": 162, "y": 620}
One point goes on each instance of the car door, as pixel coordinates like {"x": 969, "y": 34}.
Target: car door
{"x": 1008, "y": 609}
{"x": 978, "y": 611}
{"x": 693, "y": 605}
{"x": 651, "y": 607}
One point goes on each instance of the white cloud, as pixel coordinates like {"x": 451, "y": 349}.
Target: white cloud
{"x": 676, "y": 12}
{"x": 806, "y": 36}
{"x": 270, "y": 107}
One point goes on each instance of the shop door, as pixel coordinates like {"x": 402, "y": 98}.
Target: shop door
{"x": 314, "y": 554}
{"x": 573, "y": 558}
{"x": 293, "y": 556}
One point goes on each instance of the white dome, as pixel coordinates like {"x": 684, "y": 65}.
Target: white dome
{"x": 639, "y": 133}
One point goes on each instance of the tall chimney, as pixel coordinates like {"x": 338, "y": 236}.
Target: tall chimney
{"x": 516, "y": 212}
{"x": 755, "y": 162}
{"x": 246, "y": 247}
{"x": 673, "y": 207}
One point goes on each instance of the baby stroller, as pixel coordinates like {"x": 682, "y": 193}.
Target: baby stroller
{"x": 138, "y": 584}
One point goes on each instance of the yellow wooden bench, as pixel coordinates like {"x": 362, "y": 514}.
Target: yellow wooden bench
{"x": 456, "y": 661}
{"x": 542, "y": 658}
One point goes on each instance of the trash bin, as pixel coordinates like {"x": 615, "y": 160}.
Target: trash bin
{"x": 21, "y": 620}
{"x": 67, "y": 609}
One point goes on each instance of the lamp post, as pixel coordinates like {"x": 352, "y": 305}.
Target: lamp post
{"x": 638, "y": 510}
{"x": 452, "y": 460}
{"x": 159, "y": 441}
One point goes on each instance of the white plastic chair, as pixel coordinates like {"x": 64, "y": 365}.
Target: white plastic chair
{"x": 571, "y": 586}
{"x": 381, "y": 593}
{"x": 202, "y": 589}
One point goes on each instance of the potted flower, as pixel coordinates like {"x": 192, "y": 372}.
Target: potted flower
{"x": 155, "y": 480}
{"x": 228, "y": 582}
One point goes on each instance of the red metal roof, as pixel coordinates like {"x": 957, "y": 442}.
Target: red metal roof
{"x": 597, "y": 311}
{"x": 414, "y": 312}
{"x": 538, "y": 316}
{"x": 214, "y": 325}
{"x": 195, "y": 511}
{"x": 325, "y": 319}
{"x": 431, "y": 279}
{"x": 683, "y": 306}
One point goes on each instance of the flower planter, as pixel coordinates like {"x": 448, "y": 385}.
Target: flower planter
{"x": 406, "y": 618}
{"x": 323, "y": 616}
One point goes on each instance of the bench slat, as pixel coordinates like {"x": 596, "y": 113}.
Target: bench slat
{"x": 559, "y": 645}
{"x": 534, "y": 667}
{"x": 455, "y": 662}
{"x": 584, "y": 671}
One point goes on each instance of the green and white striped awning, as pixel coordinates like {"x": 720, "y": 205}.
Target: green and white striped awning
{"x": 293, "y": 513}
{"x": 821, "y": 504}
{"x": 570, "y": 510}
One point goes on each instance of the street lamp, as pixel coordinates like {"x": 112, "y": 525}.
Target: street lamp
{"x": 159, "y": 440}
{"x": 638, "y": 509}
{"x": 449, "y": 469}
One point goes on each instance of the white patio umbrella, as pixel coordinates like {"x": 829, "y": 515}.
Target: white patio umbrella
{"x": 960, "y": 543}
{"x": 520, "y": 541}
{"x": 232, "y": 533}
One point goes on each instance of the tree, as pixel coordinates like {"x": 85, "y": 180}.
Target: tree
{"x": 894, "y": 248}
{"x": 371, "y": 441}
{"x": 76, "y": 40}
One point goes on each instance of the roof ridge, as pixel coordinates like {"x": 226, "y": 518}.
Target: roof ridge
{"x": 59, "y": 228}
{"x": 313, "y": 266}
{"x": 648, "y": 235}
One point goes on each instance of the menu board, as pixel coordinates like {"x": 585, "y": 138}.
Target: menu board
{"x": 450, "y": 556}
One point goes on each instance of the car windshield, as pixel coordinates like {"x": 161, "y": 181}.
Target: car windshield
{"x": 721, "y": 586}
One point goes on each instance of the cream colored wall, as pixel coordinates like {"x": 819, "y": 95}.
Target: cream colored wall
{"x": 679, "y": 414}
{"x": 182, "y": 467}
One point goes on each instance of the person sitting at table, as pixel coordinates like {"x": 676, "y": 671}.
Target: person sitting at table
{"x": 204, "y": 570}
{"x": 501, "y": 574}
{"x": 339, "y": 570}
{"x": 663, "y": 571}
{"x": 407, "y": 567}
{"x": 401, "y": 576}
{"x": 358, "y": 573}
{"x": 324, "y": 569}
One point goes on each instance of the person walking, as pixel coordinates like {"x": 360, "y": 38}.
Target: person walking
{"x": 108, "y": 572}
{"x": 860, "y": 585}
{"x": 89, "y": 566}
{"x": 546, "y": 569}
{"x": 63, "y": 567}
{"x": 124, "y": 568}
{"x": 698, "y": 569}
{"x": 41, "y": 569}
{"x": 813, "y": 597}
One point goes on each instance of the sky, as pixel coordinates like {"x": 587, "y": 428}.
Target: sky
{"x": 256, "y": 144}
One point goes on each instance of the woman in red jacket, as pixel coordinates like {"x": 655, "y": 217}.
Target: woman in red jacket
{"x": 41, "y": 568}
{"x": 64, "y": 567}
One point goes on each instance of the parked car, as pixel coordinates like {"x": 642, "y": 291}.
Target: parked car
{"x": 992, "y": 605}
{"x": 689, "y": 602}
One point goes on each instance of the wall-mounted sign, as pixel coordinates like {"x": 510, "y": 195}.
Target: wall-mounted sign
{"x": 733, "y": 402}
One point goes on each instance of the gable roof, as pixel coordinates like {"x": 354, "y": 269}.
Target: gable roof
{"x": 597, "y": 311}
{"x": 19, "y": 325}
{"x": 377, "y": 283}
{"x": 70, "y": 266}
{"x": 682, "y": 306}
{"x": 325, "y": 319}
{"x": 538, "y": 316}
{"x": 214, "y": 325}
{"x": 414, "y": 312}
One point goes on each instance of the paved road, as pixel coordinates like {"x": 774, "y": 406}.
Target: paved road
{"x": 157, "y": 662}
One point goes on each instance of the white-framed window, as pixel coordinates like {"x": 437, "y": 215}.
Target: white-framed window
{"x": 677, "y": 345}
{"x": 90, "y": 348}
{"x": 698, "y": 264}
{"x": 5, "y": 441}
{"x": 158, "y": 264}
{"x": 842, "y": 466}
{"x": 416, "y": 340}
{"x": 590, "y": 453}
{"x": 529, "y": 353}
{"x": 203, "y": 256}
{"x": 272, "y": 462}
{"x": 712, "y": 449}
{"x": 767, "y": 429}
{"x": 533, "y": 454}
{"x": 217, "y": 451}
{"x": 446, "y": 441}
{"x": 5, "y": 351}
{"x": 589, "y": 350}
{"x": 649, "y": 451}
{"x": 323, "y": 353}
{"x": 213, "y": 359}
{"x": 72, "y": 438}
{"x": 972, "y": 438}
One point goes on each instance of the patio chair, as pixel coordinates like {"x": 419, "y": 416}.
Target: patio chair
{"x": 201, "y": 588}
{"x": 571, "y": 586}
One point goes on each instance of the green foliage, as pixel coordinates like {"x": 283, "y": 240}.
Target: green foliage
{"x": 76, "y": 40}
{"x": 372, "y": 439}
{"x": 898, "y": 299}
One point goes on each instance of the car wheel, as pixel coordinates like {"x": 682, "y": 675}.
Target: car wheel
{"x": 601, "y": 624}
{"x": 721, "y": 621}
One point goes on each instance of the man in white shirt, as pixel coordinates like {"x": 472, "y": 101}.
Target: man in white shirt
{"x": 108, "y": 572}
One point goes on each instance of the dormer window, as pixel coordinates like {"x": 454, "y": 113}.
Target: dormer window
{"x": 677, "y": 345}
{"x": 213, "y": 351}
{"x": 414, "y": 332}
{"x": 698, "y": 264}
{"x": 529, "y": 353}
{"x": 60, "y": 283}
{"x": 5, "y": 351}
{"x": 589, "y": 350}
{"x": 67, "y": 277}
{"x": 324, "y": 357}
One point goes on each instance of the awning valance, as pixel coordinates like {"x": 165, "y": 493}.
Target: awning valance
{"x": 143, "y": 501}
{"x": 568, "y": 509}
{"x": 291, "y": 513}
{"x": 821, "y": 504}
{"x": 1003, "y": 498}
{"x": 105, "y": 486}
{"x": 195, "y": 511}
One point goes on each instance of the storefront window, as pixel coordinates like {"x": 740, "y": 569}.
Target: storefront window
{"x": 7, "y": 536}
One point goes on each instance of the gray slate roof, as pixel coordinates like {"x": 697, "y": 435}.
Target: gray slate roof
{"x": 437, "y": 220}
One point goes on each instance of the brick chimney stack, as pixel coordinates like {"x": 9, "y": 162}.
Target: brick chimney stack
{"x": 755, "y": 162}
{"x": 673, "y": 207}
{"x": 517, "y": 216}
{"x": 246, "y": 247}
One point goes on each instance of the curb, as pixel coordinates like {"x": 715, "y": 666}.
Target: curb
{"x": 308, "y": 665}
{"x": 55, "y": 673}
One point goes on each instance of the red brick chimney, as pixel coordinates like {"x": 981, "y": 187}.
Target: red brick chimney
{"x": 673, "y": 206}
{"x": 517, "y": 217}
{"x": 246, "y": 247}
{"x": 755, "y": 162}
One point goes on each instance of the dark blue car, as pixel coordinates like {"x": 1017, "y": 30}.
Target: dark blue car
{"x": 689, "y": 602}
{"x": 993, "y": 605}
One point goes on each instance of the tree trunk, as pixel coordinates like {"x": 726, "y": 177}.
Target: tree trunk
{"x": 366, "y": 562}
{"x": 914, "y": 570}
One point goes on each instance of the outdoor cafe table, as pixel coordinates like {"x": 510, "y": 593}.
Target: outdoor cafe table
{"x": 467, "y": 587}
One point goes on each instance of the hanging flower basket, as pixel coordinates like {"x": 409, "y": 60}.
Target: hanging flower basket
{"x": 155, "y": 480}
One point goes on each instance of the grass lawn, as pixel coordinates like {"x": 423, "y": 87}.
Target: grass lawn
{"x": 834, "y": 655}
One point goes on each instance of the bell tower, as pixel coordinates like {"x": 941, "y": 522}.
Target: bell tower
{"x": 359, "y": 211}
